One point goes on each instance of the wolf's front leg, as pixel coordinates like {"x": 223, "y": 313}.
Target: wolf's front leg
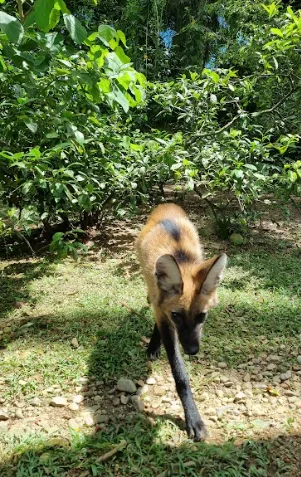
{"x": 195, "y": 426}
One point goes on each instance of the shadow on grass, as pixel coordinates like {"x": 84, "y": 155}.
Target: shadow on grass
{"x": 153, "y": 444}
{"x": 152, "y": 450}
{"x": 275, "y": 270}
{"x": 15, "y": 278}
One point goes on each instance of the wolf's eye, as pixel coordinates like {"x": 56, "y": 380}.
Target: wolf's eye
{"x": 200, "y": 318}
{"x": 176, "y": 317}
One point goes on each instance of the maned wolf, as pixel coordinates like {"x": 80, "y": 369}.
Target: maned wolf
{"x": 182, "y": 287}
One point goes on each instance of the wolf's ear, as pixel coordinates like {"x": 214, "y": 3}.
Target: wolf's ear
{"x": 210, "y": 273}
{"x": 168, "y": 275}
{"x": 215, "y": 274}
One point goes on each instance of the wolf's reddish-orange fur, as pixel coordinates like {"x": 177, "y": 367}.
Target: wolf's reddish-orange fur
{"x": 155, "y": 241}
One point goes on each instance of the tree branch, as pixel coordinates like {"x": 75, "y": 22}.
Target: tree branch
{"x": 20, "y": 10}
{"x": 255, "y": 114}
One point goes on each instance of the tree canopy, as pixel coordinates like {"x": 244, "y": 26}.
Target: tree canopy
{"x": 102, "y": 104}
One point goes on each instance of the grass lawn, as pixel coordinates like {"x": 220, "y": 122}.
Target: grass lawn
{"x": 73, "y": 329}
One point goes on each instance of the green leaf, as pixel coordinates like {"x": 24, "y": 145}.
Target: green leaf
{"x": 30, "y": 19}
{"x": 32, "y": 126}
{"x": 35, "y": 152}
{"x": 62, "y": 5}
{"x": 271, "y": 9}
{"x": 52, "y": 135}
{"x": 57, "y": 236}
{"x": 238, "y": 173}
{"x": 121, "y": 36}
{"x": 54, "y": 18}
{"x": 212, "y": 74}
{"x": 277, "y": 31}
{"x": 43, "y": 9}
{"x": 120, "y": 98}
{"x": 106, "y": 34}
{"x": 80, "y": 138}
{"x": 2, "y": 65}
{"x": 11, "y": 27}
{"x": 292, "y": 176}
{"x": 105, "y": 85}
{"x": 69, "y": 173}
{"x": 77, "y": 31}
{"x": 121, "y": 55}
{"x": 27, "y": 186}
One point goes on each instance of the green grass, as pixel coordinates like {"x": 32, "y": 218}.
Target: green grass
{"x": 147, "y": 454}
{"x": 259, "y": 310}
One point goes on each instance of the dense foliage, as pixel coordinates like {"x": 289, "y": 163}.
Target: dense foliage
{"x": 80, "y": 138}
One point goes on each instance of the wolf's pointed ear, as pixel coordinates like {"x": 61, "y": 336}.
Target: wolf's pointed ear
{"x": 168, "y": 275}
{"x": 211, "y": 273}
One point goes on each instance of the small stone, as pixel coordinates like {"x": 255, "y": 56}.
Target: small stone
{"x": 142, "y": 390}
{"x": 3, "y": 415}
{"x": 288, "y": 392}
{"x": 83, "y": 380}
{"x": 58, "y": 401}
{"x": 89, "y": 393}
{"x": 124, "y": 400}
{"x": 249, "y": 393}
{"x": 240, "y": 397}
{"x": 19, "y": 414}
{"x": 145, "y": 340}
{"x": 298, "y": 404}
{"x": 299, "y": 359}
{"x": 78, "y": 398}
{"x": 259, "y": 386}
{"x": 2, "y": 400}
{"x": 35, "y": 402}
{"x": 256, "y": 361}
{"x": 73, "y": 424}
{"x": 166, "y": 399}
{"x": 101, "y": 418}
{"x": 22, "y": 382}
{"x": 116, "y": 402}
{"x": 219, "y": 393}
{"x": 274, "y": 357}
{"x": 140, "y": 383}
{"x": 247, "y": 378}
{"x": 73, "y": 406}
{"x": 126, "y": 385}
{"x": 222, "y": 365}
{"x": 222, "y": 410}
{"x": 159, "y": 391}
{"x": 89, "y": 421}
{"x": 271, "y": 367}
{"x": 151, "y": 380}
{"x": 210, "y": 411}
{"x": 137, "y": 403}
{"x": 156, "y": 404}
{"x": 286, "y": 376}
{"x": 74, "y": 343}
{"x": 204, "y": 396}
{"x": 228, "y": 384}
{"x": 292, "y": 399}
{"x": 97, "y": 398}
